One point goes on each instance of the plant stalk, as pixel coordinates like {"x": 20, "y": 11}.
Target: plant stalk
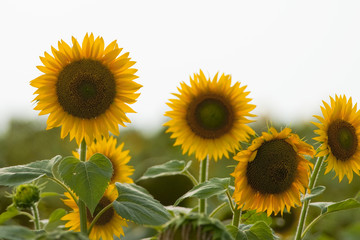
{"x": 236, "y": 216}
{"x": 35, "y": 213}
{"x": 203, "y": 176}
{"x": 305, "y": 206}
{"x": 81, "y": 204}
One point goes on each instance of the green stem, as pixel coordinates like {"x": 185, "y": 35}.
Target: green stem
{"x": 191, "y": 177}
{"x": 230, "y": 201}
{"x": 212, "y": 214}
{"x": 203, "y": 176}
{"x": 236, "y": 216}
{"x": 312, "y": 224}
{"x": 81, "y": 204}
{"x": 305, "y": 206}
{"x": 65, "y": 187}
{"x": 98, "y": 216}
{"x": 35, "y": 213}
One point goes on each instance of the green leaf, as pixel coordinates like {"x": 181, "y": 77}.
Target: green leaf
{"x": 236, "y": 233}
{"x": 251, "y": 217}
{"x": 10, "y": 212}
{"x": 258, "y": 231}
{"x": 134, "y": 203}
{"x": 173, "y": 167}
{"x": 13, "y": 232}
{"x": 20, "y": 174}
{"x": 88, "y": 179}
{"x": 55, "y": 219}
{"x": 329, "y": 207}
{"x": 314, "y": 192}
{"x": 212, "y": 187}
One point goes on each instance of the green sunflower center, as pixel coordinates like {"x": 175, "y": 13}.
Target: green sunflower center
{"x": 85, "y": 88}
{"x": 342, "y": 139}
{"x": 210, "y": 116}
{"x": 105, "y": 217}
{"x": 274, "y": 168}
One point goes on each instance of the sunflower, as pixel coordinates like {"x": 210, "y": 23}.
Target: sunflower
{"x": 118, "y": 158}
{"x": 109, "y": 224}
{"x": 210, "y": 116}
{"x": 272, "y": 172}
{"x": 339, "y": 131}
{"x": 86, "y": 89}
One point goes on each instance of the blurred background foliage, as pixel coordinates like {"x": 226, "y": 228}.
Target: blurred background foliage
{"x": 25, "y": 141}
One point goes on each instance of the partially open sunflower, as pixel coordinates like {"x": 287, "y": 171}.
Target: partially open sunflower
{"x": 209, "y": 117}
{"x": 272, "y": 172}
{"x": 86, "y": 89}
{"x": 108, "y": 225}
{"x": 339, "y": 135}
{"x": 116, "y": 155}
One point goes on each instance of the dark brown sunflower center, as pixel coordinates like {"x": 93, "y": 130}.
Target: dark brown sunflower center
{"x": 85, "y": 88}
{"x": 342, "y": 139}
{"x": 105, "y": 217}
{"x": 274, "y": 168}
{"x": 210, "y": 116}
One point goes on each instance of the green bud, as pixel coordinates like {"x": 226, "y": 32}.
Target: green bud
{"x": 26, "y": 195}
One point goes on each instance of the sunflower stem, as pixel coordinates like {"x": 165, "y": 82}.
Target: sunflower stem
{"x": 305, "y": 206}
{"x": 191, "y": 177}
{"x": 216, "y": 210}
{"x": 81, "y": 204}
{"x": 36, "y": 219}
{"x": 98, "y": 216}
{"x": 236, "y": 216}
{"x": 230, "y": 201}
{"x": 203, "y": 176}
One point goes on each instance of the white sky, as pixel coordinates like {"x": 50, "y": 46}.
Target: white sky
{"x": 291, "y": 54}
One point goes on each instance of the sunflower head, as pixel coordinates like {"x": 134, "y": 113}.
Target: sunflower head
{"x": 116, "y": 155}
{"x": 107, "y": 225}
{"x": 209, "y": 117}
{"x": 26, "y": 195}
{"x": 86, "y": 89}
{"x": 272, "y": 172}
{"x": 339, "y": 135}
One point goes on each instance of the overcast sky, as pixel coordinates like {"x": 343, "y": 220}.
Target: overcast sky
{"x": 290, "y": 54}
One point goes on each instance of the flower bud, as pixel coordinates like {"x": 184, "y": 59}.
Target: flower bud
{"x": 26, "y": 195}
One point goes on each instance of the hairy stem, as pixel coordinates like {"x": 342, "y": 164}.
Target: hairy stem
{"x": 203, "y": 176}
{"x": 81, "y": 204}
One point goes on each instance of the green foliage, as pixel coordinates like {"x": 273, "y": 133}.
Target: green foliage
{"x": 258, "y": 231}
{"x": 316, "y": 191}
{"x": 55, "y": 219}
{"x": 172, "y": 167}
{"x": 251, "y": 217}
{"x": 14, "y": 232}
{"x": 329, "y": 207}
{"x": 212, "y": 187}
{"x": 16, "y": 175}
{"x": 135, "y": 204}
{"x": 10, "y": 212}
{"x": 88, "y": 179}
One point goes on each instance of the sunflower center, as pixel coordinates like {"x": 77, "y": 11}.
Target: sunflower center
{"x": 274, "y": 168}
{"x": 210, "y": 116}
{"x": 105, "y": 217}
{"x": 342, "y": 139}
{"x": 85, "y": 88}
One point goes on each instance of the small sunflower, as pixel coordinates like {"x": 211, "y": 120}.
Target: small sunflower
{"x": 108, "y": 225}
{"x": 118, "y": 158}
{"x": 272, "y": 172}
{"x": 210, "y": 116}
{"x": 86, "y": 89}
{"x": 339, "y": 131}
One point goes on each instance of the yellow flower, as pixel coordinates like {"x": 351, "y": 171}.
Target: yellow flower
{"x": 109, "y": 224}
{"x": 272, "y": 172}
{"x": 210, "y": 116}
{"x": 86, "y": 89}
{"x": 339, "y": 135}
{"x": 118, "y": 158}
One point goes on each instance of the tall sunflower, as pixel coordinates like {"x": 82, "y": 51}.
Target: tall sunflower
{"x": 118, "y": 158}
{"x": 339, "y": 135}
{"x": 272, "y": 172}
{"x": 86, "y": 89}
{"x": 108, "y": 225}
{"x": 209, "y": 117}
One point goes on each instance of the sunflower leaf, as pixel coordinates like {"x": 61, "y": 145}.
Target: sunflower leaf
{"x": 314, "y": 192}
{"x": 329, "y": 207}
{"x": 20, "y": 174}
{"x": 88, "y": 179}
{"x": 14, "y": 232}
{"x": 212, "y": 187}
{"x": 55, "y": 219}
{"x": 134, "y": 203}
{"x": 10, "y": 212}
{"x": 173, "y": 167}
{"x": 258, "y": 231}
